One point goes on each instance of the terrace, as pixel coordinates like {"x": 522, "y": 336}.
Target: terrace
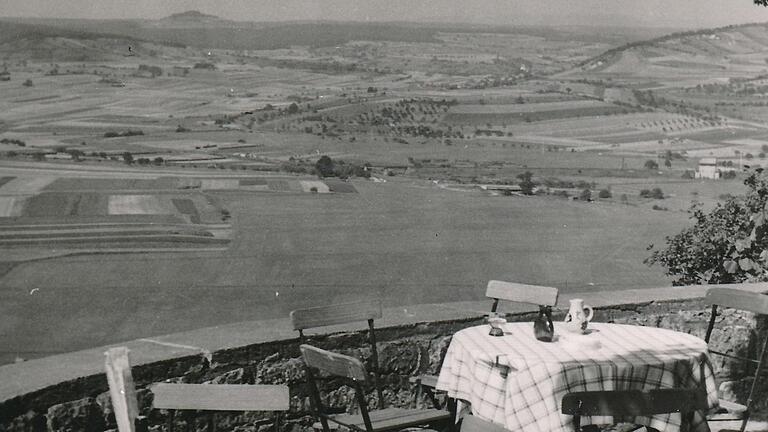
{"x": 70, "y": 392}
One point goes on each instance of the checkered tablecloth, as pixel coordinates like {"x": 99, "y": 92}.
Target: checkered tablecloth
{"x": 519, "y": 382}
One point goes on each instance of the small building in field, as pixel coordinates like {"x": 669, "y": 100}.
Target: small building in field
{"x": 707, "y": 169}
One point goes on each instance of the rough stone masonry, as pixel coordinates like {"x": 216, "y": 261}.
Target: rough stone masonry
{"x": 405, "y": 351}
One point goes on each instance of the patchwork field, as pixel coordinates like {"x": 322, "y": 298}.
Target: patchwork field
{"x": 72, "y": 215}
{"x": 43, "y": 214}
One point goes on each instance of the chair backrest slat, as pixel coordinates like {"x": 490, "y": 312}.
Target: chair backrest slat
{"x": 335, "y": 314}
{"x": 522, "y": 293}
{"x": 332, "y": 363}
{"x": 221, "y": 397}
{"x": 633, "y": 402}
{"x": 471, "y": 423}
{"x": 738, "y": 299}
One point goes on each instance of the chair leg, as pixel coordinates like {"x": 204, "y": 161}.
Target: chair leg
{"x": 278, "y": 420}
{"x": 417, "y": 394}
{"x": 212, "y": 422}
{"x": 190, "y": 420}
{"x": 141, "y": 424}
{"x": 324, "y": 422}
{"x": 171, "y": 415}
{"x": 744, "y": 421}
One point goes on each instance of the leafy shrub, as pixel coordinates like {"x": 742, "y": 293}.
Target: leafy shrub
{"x": 655, "y": 193}
{"x": 651, "y": 164}
{"x": 127, "y": 133}
{"x": 18, "y": 142}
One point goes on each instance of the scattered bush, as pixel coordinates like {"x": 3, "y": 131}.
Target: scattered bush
{"x": 585, "y": 195}
{"x": 651, "y": 164}
{"x": 655, "y": 193}
{"x": 18, "y": 142}
{"x": 127, "y": 133}
{"x": 204, "y": 65}
{"x": 604, "y": 193}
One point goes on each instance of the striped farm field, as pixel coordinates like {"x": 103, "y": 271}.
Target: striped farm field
{"x": 4, "y": 180}
{"x": 65, "y": 204}
{"x": 7, "y": 205}
{"x": 522, "y": 117}
{"x": 108, "y": 184}
{"x": 284, "y": 185}
{"x": 220, "y": 184}
{"x": 314, "y": 186}
{"x": 527, "y": 107}
{"x": 26, "y": 185}
{"x": 137, "y": 204}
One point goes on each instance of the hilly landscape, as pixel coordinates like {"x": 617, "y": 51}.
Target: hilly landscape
{"x": 164, "y": 175}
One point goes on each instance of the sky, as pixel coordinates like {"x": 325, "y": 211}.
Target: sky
{"x": 644, "y": 13}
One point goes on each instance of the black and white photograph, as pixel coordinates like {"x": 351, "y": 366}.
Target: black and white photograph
{"x": 383, "y": 216}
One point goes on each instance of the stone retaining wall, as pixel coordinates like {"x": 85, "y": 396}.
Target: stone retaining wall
{"x": 406, "y": 350}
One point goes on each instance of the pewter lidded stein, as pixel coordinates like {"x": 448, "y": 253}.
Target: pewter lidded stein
{"x": 543, "y": 328}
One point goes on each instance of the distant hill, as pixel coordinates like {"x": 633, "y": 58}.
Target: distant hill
{"x": 46, "y": 37}
{"x": 715, "y": 48}
{"x": 195, "y": 29}
{"x": 191, "y": 18}
{"x": 191, "y": 15}
{"x": 27, "y": 41}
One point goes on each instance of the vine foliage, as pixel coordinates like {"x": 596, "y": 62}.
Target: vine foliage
{"x": 728, "y": 244}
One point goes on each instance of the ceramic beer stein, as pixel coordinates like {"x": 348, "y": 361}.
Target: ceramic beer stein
{"x": 576, "y": 320}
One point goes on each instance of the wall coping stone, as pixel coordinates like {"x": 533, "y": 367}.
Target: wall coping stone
{"x": 18, "y": 379}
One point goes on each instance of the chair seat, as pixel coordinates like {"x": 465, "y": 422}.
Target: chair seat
{"x": 425, "y": 380}
{"x": 392, "y": 418}
{"x": 728, "y": 411}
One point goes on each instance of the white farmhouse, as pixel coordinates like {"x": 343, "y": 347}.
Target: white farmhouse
{"x": 708, "y": 169}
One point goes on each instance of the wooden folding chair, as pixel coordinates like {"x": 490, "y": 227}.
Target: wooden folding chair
{"x": 634, "y": 403}
{"x": 353, "y": 371}
{"x": 748, "y": 301}
{"x": 344, "y": 313}
{"x": 199, "y": 397}
{"x": 496, "y": 290}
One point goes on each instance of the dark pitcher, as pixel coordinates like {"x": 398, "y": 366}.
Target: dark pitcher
{"x": 543, "y": 328}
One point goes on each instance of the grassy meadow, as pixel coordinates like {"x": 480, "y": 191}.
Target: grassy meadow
{"x": 407, "y": 242}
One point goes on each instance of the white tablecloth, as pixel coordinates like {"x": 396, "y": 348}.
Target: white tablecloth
{"x": 519, "y": 382}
